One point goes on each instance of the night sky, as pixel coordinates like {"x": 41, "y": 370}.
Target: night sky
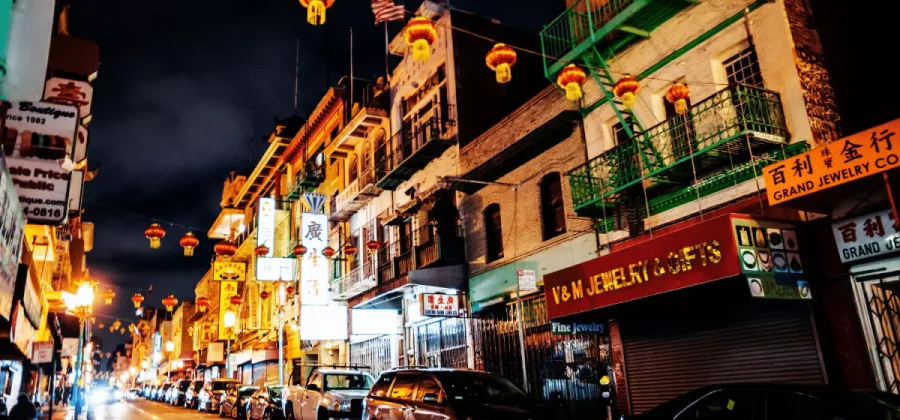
{"x": 188, "y": 90}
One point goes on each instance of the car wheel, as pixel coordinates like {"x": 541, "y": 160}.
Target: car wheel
{"x": 322, "y": 414}
{"x": 289, "y": 412}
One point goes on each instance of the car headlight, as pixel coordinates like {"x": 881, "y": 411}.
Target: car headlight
{"x": 99, "y": 395}
{"x": 117, "y": 394}
{"x": 341, "y": 406}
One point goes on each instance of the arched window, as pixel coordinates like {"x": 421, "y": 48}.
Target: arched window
{"x": 493, "y": 233}
{"x": 553, "y": 212}
{"x": 381, "y": 152}
{"x": 353, "y": 170}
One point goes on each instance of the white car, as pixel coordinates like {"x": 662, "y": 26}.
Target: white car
{"x": 329, "y": 394}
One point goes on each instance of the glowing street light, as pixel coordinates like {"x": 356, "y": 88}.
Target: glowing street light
{"x": 229, "y": 319}
{"x": 170, "y": 346}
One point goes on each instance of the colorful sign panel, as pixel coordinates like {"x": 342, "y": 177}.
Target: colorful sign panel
{"x": 772, "y": 286}
{"x": 227, "y": 289}
{"x": 70, "y": 92}
{"x": 12, "y": 228}
{"x": 434, "y": 304}
{"x": 274, "y": 269}
{"x": 866, "y": 236}
{"x": 694, "y": 255}
{"x": 314, "y": 266}
{"x": 769, "y": 254}
{"x": 858, "y": 156}
{"x": 575, "y": 328}
{"x": 38, "y": 136}
{"x": 229, "y": 270}
{"x": 265, "y": 226}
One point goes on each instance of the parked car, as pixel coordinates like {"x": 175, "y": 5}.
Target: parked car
{"x": 193, "y": 391}
{"x": 328, "y": 393}
{"x": 104, "y": 394}
{"x": 448, "y": 394}
{"x": 213, "y": 393}
{"x": 154, "y": 392}
{"x": 176, "y": 393}
{"x": 265, "y": 404}
{"x": 163, "y": 390}
{"x": 234, "y": 404}
{"x": 777, "y": 402}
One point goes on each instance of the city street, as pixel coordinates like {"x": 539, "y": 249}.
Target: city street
{"x": 139, "y": 409}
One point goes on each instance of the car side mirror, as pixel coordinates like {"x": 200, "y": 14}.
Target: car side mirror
{"x": 430, "y": 398}
{"x": 312, "y": 387}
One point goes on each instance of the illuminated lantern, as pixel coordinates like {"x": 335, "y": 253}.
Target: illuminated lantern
{"x": 202, "y": 303}
{"x": 189, "y": 242}
{"x": 500, "y": 59}
{"x": 373, "y": 246}
{"x": 137, "y": 299}
{"x": 679, "y": 94}
{"x": 264, "y": 295}
{"x": 101, "y": 325}
{"x": 169, "y": 302}
{"x": 420, "y": 33}
{"x": 155, "y": 233}
{"x": 122, "y": 331}
{"x": 236, "y": 300}
{"x": 290, "y": 290}
{"x": 315, "y": 10}
{"x": 117, "y": 324}
{"x": 625, "y": 89}
{"x": 571, "y": 78}
{"x": 299, "y": 250}
{"x": 328, "y": 252}
{"x": 225, "y": 248}
{"x": 350, "y": 249}
{"x": 108, "y": 296}
{"x": 261, "y": 251}
{"x": 111, "y": 329}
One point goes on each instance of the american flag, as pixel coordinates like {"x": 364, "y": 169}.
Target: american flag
{"x": 386, "y": 11}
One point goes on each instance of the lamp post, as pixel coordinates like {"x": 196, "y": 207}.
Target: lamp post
{"x": 229, "y": 320}
{"x": 280, "y": 299}
{"x": 82, "y": 305}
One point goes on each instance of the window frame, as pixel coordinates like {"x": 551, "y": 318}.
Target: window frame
{"x": 414, "y": 387}
{"x": 493, "y": 232}
{"x": 550, "y": 208}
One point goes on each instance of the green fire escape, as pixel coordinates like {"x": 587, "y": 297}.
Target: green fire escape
{"x": 740, "y": 127}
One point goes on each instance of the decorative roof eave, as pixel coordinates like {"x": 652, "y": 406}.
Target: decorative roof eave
{"x": 316, "y": 119}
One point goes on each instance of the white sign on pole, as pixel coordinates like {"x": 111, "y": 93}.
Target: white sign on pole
{"x": 39, "y": 135}
{"x": 274, "y": 269}
{"x": 527, "y": 280}
{"x": 866, "y": 236}
{"x": 313, "y": 265}
{"x": 41, "y": 352}
{"x": 265, "y": 227}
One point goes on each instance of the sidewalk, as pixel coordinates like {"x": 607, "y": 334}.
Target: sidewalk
{"x": 61, "y": 413}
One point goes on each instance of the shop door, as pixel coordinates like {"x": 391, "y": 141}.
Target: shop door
{"x": 879, "y": 306}
{"x": 744, "y": 341}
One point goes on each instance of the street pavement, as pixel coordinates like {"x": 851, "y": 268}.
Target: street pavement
{"x": 139, "y": 409}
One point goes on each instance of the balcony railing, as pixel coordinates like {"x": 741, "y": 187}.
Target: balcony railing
{"x": 352, "y": 284}
{"x": 718, "y": 132}
{"x": 312, "y": 174}
{"x": 411, "y": 149}
{"x": 358, "y": 192}
{"x": 385, "y": 262}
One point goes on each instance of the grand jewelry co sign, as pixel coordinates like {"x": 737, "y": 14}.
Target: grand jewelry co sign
{"x": 38, "y": 136}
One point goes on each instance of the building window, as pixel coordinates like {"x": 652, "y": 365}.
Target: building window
{"x": 553, "y": 213}
{"x": 743, "y": 68}
{"x": 619, "y": 133}
{"x": 353, "y": 170}
{"x": 493, "y": 232}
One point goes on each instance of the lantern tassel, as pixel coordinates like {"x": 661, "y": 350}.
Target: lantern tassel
{"x": 504, "y": 73}
{"x": 573, "y": 92}
{"x": 681, "y": 107}
{"x": 628, "y": 100}
{"x": 188, "y": 251}
{"x": 154, "y": 243}
{"x": 315, "y": 13}
{"x": 421, "y": 50}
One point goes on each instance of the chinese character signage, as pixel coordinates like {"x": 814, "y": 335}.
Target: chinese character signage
{"x": 314, "y": 266}
{"x": 39, "y": 135}
{"x": 434, "y": 304}
{"x": 265, "y": 230}
{"x": 858, "y": 156}
{"x": 12, "y": 228}
{"x": 274, "y": 269}
{"x": 229, "y": 270}
{"x": 227, "y": 289}
{"x": 70, "y": 92}
{"x": 574, "y": 328}
{"x": 866, "y": 236}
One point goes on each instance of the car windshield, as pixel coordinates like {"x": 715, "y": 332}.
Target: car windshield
{"x": 275, "y": 392}
{"x": 246, "y": 391}
{"x": 184, "y": 385}
{"x": 197, "y": 385}
{"x": 348, "y": 381}
{"x": 222, "y": 385}
{"x": 479, "y": 387}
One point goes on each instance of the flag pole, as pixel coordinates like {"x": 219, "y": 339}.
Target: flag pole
{"x": 351, "y": 70}
{"x": 387, "y": 76}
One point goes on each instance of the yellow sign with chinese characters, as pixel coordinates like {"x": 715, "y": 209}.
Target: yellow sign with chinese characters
{"x": 226, "y": 291}
{"x": 229, "y": 270}
{"x": 866, "y": 153}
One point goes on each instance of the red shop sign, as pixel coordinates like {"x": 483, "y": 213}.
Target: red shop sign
{"x": 694, "y": 255}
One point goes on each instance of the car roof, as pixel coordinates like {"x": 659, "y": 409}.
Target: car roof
{"x": 339, "y": 371}
{"x": 226, "y": 380}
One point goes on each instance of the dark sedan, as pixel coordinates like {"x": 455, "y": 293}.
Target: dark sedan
{"x": 776, "y": 402}
{"x": 234, "y": 404}
{"x": 265, "y": 404}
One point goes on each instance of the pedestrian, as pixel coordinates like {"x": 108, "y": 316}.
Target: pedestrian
{"x": 23, "y": 410}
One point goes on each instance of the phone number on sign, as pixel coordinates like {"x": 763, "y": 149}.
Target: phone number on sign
{"x": 42, "y": 212}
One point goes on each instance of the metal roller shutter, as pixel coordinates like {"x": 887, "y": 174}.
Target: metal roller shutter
{"x": 259, "y": 373}
{"x": 754, "y": 341}
{"x": 272, "y": 373}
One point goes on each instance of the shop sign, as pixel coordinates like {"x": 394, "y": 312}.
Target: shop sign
{"x": 313, "y": 265}
{"x": 434, "y": 304}
{"x": 274, "y": 269}
{"x": 866, "y": 236}
{"x": 574, "y": 328}
{"x": 766, "y": 246}
{"x": 227, "y": 289}
{"x": 42, "y": 352}
{"x": 12, "y": 228}
{"x": 229, "y": 270}
{"x": 527, "y": 280}
{"x": 69, "y": 347}
{"x": 694, "y": 255}
{"x": 772, "y": 286}
{"x": 265, "y": 233}
{"x": 215, "y": 353}
{"x": 76, "y": 190}
{"x": 22, "y": 331}
{"x": 31, "y": 300}
{"x": 858, "y": 156}
{"x": 38, "y": 136}
{"x": 70, "y": 92}
{"x": 323, "y": 322}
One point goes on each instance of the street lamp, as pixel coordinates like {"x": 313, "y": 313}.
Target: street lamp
{"x": 82, "y": 305}
{"x": 280, "y": 299}
{"x": 229, "y": 319}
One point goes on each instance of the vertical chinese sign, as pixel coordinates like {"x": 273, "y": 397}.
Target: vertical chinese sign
{"x": 266, "y": 225}
{"x": 866, "y": 236}
{"x": 313, "y": 265}
{"x": 227, "y": 289}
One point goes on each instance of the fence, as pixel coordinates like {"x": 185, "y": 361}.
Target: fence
{"x": 374, "y": 354}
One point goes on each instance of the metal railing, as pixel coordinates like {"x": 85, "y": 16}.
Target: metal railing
{"x": 386, "y": 262}
{"x": 427, "y": 245}
{"x": 577, "y": 24}
{"x": 406, "y": 142}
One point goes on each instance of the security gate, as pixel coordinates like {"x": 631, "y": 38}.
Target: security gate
{"x": 374, "y": 354}
{"x": 442, "y": 343}
{"x": 879, "y": 306}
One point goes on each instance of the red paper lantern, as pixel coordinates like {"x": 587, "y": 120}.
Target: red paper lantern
{"x": 373, "y": 246}
{"x": 328, "y": 252}
{"x": 108, "y": 296}
{"x": 261, "y": 251}
{"x": 225, "y": 248}
{"x": 189, "y": 242}
{"x": 264, "y": 295}
{"x": 500, "y": 59}
{"x": 679, "y": 94}
{"x": 202, "y": 303}
{"x": 236, "y": 300}
{"x": 420, "y": 33}
{"x": 290, "y": 290}
{"x": 155, "y": 233}
{"x": 137, "y": 299}
{"x": 299, "y": 250}
{"x": 350, "y": 249}
{"x": 169, "y": 302}
{"x": 625, "y": 89}
{"x": 571, "y": 78}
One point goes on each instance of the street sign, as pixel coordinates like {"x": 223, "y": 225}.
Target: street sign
{"x": 42, "y": 352}
{"x": 527, "y": 280}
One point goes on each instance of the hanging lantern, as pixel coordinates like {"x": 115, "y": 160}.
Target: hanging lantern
{"x": 299, "y": 250}
{"x": 261, "y": 251}
{"x": 225, "y": 248}
{"x": 137, "y": 299}
{"x": 373, "y": 246}
{"x": 315, "y": 10}
{"x": 420, "y": 33}
{"x": 154, "y": 233}
{"x": 117, "y": 324}
{"x": 678, "y": 94}
{"x": 189, "y": 242}
{"x": 202, "y": 303}
{"x": 571, "y": 78}
{"x": 93, "y": 320}
{"x": 500, "y": 59}
{"x": 101, "y": 325}
{"x": 264, "y": 295}
{"x": 111, "y": 329}
{"x": 122, "y": 331}
{"x": 290, "y": 290}
{"x": 236, "y": 300}
{"x": 108, "y": 296}
{"x": 350, "y": 249}
{"x": 169, "y": 302}
{"x": 328, "y": 252}
{"x": 625, "y": 89}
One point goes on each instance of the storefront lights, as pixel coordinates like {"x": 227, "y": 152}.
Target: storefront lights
{"x": 229, "y": 319}
{"x": 170, "y": 346}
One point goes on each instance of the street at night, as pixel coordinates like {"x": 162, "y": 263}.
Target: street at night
{"x": 138, "y": 410}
